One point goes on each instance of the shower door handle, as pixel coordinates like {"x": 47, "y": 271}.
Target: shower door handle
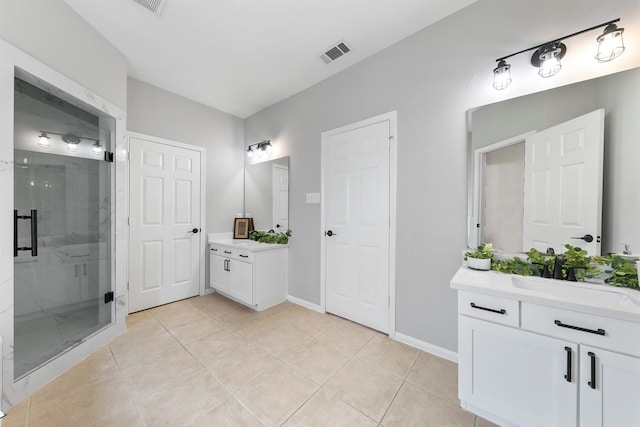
{"x": 34, "y": 232}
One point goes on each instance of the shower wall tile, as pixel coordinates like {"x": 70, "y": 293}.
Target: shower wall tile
{"x": 10, "y": 58}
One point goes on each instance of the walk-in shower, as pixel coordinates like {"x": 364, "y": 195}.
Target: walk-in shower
{"x": 63, "y": 233}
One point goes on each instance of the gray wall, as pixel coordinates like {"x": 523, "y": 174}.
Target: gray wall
{"x": 153, "y": 111}
{"x": 621, "y": 201}
{"x": 53, "y": 33}
{"x": 431, "y": 79}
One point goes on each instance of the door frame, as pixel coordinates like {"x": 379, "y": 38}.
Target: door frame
{"x": 392, "y": 118}
{"x": 275, "y": 166}
{"x": 203, "y": 241}
{"x": 479, "y": 155}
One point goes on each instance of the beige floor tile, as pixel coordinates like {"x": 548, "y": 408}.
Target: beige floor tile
{"x": 173, "y": 319}
{"x": 280, "y": 309}
{"x": 92, "y": 370}
{"x": 216, "y": 345}
{"x": 312, "y": 322}
{"x": 437, "y": 375}
{"x": 127, "y": 416}
{"x": 274, "y": 397}
{"x": 481, "y": 422}
{"x": 137, "y": 352}
{"x": 138, "y": 318}
{"x": 17, "y": 415}
{"x": 242, "y": 365}
{"x": 237, "y": 314}
{"x": 326, "y": 410}
{"x": 84, "y": 406}
{"x": 257, "y": 326}
{"x": 364, "y": 387}
{"x": 213, "y": 304}
{"x": 182, "y": 402}
{"x": 391, "y": 356}
{"x": 416, "y": 407}
{"x": 347, "y": 336}
{"x": 166, "y": 368}
{"x": 284, "y": 340}
{"x": 317, "y": 360}
{"x": 196, "y": 330}
{"x": 229, "y": 413}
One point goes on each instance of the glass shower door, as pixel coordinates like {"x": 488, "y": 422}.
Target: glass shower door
{"x": 62, "y": 227}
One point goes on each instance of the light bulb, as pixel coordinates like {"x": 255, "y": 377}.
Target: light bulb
{"x": 72, "y": 147}
{"x": 269, "y": 148}
{"x": 250, "y": 153}
{"x": 550, "y": 65}
{"x": 44, "y": 140}
{"x": 97, "y": 149}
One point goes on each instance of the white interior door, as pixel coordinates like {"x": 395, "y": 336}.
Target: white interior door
{"x": 280, "y": 197}
{"x": 356, "y": 207}
{"x": 563, "y": 185}
{"x": 164, "y": 223}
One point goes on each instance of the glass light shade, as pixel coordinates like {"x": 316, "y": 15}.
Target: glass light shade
{"x": 610, "y": 44}
{"x": 250, "y": 153}
{"x": 44, "y": 140}
{"x": 550, "y": 65}
{"x": 502, "y": 76}
{"x": 72, "y": 147}
{"x": 269, "y": 148}
{"x": 97, "y": 149}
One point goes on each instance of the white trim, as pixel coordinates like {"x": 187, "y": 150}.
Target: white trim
{"x": 429, "y": 348}
{"x": 478, "y": 171}
{"x": 392, "y": 118}
{"x": 203, "y": 181}
{"x": 305, "y": 304}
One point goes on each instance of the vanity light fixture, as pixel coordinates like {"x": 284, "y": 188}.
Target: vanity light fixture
{"x": 547, "y": 56}
{"x": 97, "y": 148}
{"x": 260, "y": 149}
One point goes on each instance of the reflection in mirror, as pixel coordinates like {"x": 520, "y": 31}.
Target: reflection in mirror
{"x": 514, "y": 119}
{"x": 266, "y": 194}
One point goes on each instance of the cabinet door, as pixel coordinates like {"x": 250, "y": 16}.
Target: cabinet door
{"x": 219, "y": 276}
{"x": 241, "y": 281}
{"x": 609, "y": 388}
{"x": 522, "y": 377}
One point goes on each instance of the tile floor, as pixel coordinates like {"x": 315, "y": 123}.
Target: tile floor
{"x": 207, "y": 361}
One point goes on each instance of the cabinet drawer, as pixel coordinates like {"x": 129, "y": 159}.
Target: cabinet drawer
{"x": 487, "y": 307}
{"x": 244, "y": 255}
{"x": 603, "y": 332}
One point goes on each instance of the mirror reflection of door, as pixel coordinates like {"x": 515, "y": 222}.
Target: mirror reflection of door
{"x": 544, "y": 189}
{"x": 280, "y": 197}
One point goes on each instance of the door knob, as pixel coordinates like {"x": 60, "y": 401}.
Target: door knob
{"x": 277, "y": 225}
{"x": 329, "y": 233}
{"x": 195, "y": 231}
{"x": 587, "y": 238}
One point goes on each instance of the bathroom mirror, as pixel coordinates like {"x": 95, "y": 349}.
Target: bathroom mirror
{"x": 617, "y": 94}
{"x": 266, "y": 194}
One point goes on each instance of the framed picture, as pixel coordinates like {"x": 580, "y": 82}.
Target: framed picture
{"x": 241, "y": 228}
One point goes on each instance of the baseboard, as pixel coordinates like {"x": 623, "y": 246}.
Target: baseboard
{"x": 305, "y": 304}
{"x": 429, "y": 348}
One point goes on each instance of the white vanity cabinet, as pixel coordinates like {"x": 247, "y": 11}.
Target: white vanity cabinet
{"x": 529, "y": 359}
{"x": 254, "y": 274}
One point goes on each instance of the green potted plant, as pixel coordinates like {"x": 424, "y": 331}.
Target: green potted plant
{"x": 480, "y": 258}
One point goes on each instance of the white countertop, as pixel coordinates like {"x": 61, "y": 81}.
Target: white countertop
{"x": 249, "y": 245}
{"x": 604, "y": 300}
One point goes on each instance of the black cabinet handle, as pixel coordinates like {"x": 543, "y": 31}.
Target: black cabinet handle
{"x": 244, "y": 256}
{"x": 592, "y": 383}
{"x": 578, "y": 328}
{"x": 214, "y": 249}
{"x": 227, "y": 252}
{"x": 501, "y": 311}
{"x": 568, "y": 374}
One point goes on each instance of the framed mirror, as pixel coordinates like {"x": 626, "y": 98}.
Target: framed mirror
{"x": 266, "y": 194}
{"x": 512, "y": 120}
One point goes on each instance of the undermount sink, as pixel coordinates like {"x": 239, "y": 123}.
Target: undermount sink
{"x": 581, "y": 292}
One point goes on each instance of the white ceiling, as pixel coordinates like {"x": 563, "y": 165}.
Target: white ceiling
{"x": 240, "y": 56}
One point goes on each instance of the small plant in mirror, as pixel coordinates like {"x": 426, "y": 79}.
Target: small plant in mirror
{"x": 541, "y": 264}
{"x": 623, "y": 273}
{"x": 484, "y": 251}
{"x": 270, "y": 236}
{"x": 577, "y": 265}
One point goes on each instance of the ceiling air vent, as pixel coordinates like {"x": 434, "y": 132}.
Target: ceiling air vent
{"x": 154, "y": 6}
{"x": 334, "y": 52}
